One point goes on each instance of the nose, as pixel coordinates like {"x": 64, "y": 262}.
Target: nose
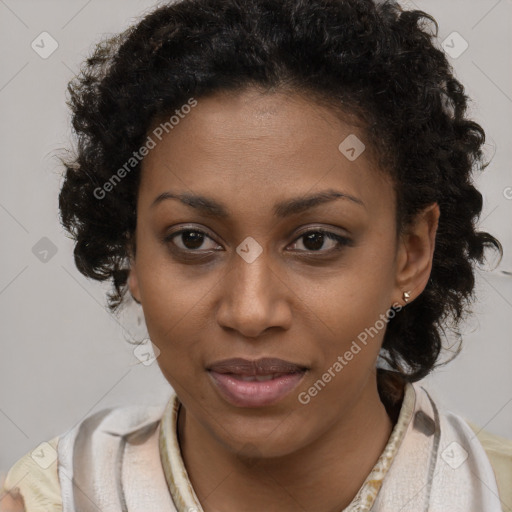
{"x": 254, "y": 298}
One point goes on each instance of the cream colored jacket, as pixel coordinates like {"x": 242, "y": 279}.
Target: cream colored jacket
{"x": 128, "y": 459}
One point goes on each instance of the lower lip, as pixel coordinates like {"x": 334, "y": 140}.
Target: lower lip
{"x": 255, "y": 394}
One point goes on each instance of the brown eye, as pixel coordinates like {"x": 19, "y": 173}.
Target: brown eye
{"x": 191, "y": 240}
{"x": 317, "y": 240}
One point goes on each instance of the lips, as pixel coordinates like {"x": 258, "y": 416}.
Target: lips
{"x": 245, "y": 383}
{"x": 264, "y": 366}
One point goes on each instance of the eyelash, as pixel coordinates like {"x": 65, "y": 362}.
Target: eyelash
{"x": 342, "y": 241}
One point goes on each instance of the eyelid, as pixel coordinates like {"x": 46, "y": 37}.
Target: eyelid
{"x": 341, "y": 240}
{"x": 169, "y": 236}
{"x": 316, "y": 229}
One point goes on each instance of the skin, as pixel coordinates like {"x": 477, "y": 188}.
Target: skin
{"x": 11, "y": 503}
{"x": 298, "y": 301}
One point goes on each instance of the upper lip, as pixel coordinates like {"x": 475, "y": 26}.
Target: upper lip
{"x": 263, "y": 366}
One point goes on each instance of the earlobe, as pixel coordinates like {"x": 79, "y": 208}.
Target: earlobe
{"x": 415, "y": 254}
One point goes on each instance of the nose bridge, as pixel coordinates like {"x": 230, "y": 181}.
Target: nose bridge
{"x": 250, "y": 280}
{"x": 250, "y": 300}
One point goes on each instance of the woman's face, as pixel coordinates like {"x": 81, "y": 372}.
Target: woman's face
{"x": 251, "y": 277}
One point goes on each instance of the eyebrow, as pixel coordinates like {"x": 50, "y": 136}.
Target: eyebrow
{"x": 212, "y": 208}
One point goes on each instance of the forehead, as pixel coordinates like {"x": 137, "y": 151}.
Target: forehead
{"x": 253, "y": 148}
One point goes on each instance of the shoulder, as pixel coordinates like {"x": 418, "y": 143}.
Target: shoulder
{"x": 34, "y": 480}
{"x": 499, "y": 452}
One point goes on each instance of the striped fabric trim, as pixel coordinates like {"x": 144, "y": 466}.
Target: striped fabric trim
{"x": 185, "y": 498}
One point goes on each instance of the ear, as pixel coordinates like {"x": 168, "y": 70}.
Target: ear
{"x": 133, "y": 281}
{"x": 415, "y": 253}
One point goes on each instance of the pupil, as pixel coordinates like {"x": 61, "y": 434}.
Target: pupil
{"x": 311, "y": 237}
{"x": 192, "y": 239}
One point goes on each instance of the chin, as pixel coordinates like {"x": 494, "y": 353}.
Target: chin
{"x": 252, "y": 439}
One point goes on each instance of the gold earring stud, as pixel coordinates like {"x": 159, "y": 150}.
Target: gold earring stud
{"x": 407, "y": 296}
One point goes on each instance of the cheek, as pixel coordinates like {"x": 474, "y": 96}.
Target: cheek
{"x": 346, "y": 352}
{"x": 347, "y": 314}
{"x": 167, "y": 294}
{"x": 174, "y": 310}
{"x": 350, "y": 313}
{"x": 353, "y": 300}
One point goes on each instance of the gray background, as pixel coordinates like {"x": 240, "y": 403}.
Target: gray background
{"x": 63, "y": 356}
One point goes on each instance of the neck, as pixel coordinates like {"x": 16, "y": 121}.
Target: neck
{"x": 315, "y": 477}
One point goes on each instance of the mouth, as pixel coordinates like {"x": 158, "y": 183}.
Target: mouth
{"x": 259, "y": 383}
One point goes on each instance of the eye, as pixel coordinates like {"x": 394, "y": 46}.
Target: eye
{"x": 317, "y": 239}
{"x": 191, "y": 240}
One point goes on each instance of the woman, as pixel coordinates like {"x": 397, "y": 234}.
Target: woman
{"x": 285, "y": 188}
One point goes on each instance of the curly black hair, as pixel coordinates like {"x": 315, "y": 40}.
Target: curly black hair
{"x": 373, "y": 60}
